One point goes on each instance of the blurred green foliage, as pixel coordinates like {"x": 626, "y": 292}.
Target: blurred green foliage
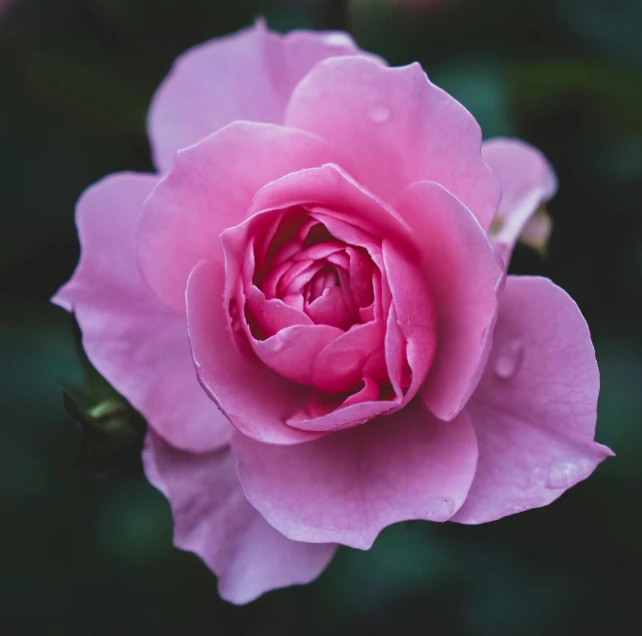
{"x": 81, "y": 556}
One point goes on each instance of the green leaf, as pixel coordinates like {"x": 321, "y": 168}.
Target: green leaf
{"x": 111, "y": 431}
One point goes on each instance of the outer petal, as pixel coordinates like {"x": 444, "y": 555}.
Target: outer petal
{"x": 256, "y": 399}
{"x": 394, "y": 127}
{"x": 527, "y": 181}
{"x": 130, "y": 337}
{"x": 348, "y": 486}
{"x": 466, "y": 278}
{"x": 210, "y": 189}
{"x": 213, "y": 519}
{"x": 535, "y": 408}
{"x": 248, "y": 75}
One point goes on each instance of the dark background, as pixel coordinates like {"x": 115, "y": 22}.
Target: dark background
{"x": 80, "y": 556}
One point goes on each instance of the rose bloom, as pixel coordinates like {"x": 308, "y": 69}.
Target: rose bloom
{"x": 307, "y": 307}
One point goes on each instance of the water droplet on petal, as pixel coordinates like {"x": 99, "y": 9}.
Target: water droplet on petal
{"x": 509, "y": 359}
{"x": 337, "y": 39}
{"x": 278, "y": 345}
{"x": 440, "y": 508}
{"x": 563, "y": 474}
{"x": 379, "y": 114}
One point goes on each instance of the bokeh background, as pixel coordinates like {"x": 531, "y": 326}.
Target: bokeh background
{"x": 81, "y": 556}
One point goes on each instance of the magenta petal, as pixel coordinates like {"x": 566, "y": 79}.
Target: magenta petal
{"x": 395, "y": 353}
{"x": 348, "y": 486}
{"x": 339, "y": 366}
{"x": 368, "y": 393}
{"x": 247, "y": 75}
{"x": 535, "y": 408}
{"x": 292, "y": 351}
{"x": 466, "y": 278}
{"x": 213, "y": 519}
{"x": 414, "y": 313}
{"x": 350, "y": 413}
{"x": 361, "y": 284}
{"x": 210, "y": 189}
{"x": 133, "y": 340}
{"x": 331, "y": 308}
{"x": 330, "y": 187}
{"x": 393, "y": 127}
{"x": 256, "y": 399}
{"x": 527, "y": 181}
{"x": 272, "y": 315}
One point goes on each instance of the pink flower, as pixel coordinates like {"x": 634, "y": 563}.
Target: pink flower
{"x": 356, "y": 355}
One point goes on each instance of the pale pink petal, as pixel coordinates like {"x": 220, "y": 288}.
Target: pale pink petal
{"x": 348, "y": 486}
{"x": 210, "y": 189}
{"x": 527, "y": 181}
{"x": 393, "y": 127}
{"x": 256, "y": 399}
{"x": 139, "y": 346}
{"x": 535, "y": 408}
{"x": 213, "y": 519}
{"x": 466, "y": 278}
{"x": 247, "y": 75}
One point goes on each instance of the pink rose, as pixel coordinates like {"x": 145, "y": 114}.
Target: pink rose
{"x": 319, "y": 227}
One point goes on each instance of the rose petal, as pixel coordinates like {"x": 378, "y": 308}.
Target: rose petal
{"x": 339, "y": 415}
{"x": 466, "y": 278}
{"x": 330, "y": 187}
{"x": 331, "y": 308}
{"x": 348, "y": 486}
{"x": 360, "y": 269}
{"x": 279, "y": 279}
{"x": 131, "y": 338}
{"x": 527, "y": 181}
{"x": 292, "y": 351}
{"x": 535, "y": 408}
{"x": 344, "y": 228}
{"x": 213, "y": 519}
{"x": 339, "y": 366}
{"x": 393, "y": 127}
{"x": 255, "y": 399}
{"x": 273, "y": 315}
{"x": 369, "y": 393}
{"x": 395, "y": 355}
{"x": 209, "y": 190}
{"x": 248, "y": 75}
{"x": 414, "y": 313}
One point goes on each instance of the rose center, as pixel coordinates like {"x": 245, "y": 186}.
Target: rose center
{"x": 325, "y": 278}
{"x": 305, "y": 266}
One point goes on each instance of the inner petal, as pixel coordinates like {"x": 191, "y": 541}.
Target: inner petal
{"x": 325, "y": 278}
{"x": 330, "y": 309}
